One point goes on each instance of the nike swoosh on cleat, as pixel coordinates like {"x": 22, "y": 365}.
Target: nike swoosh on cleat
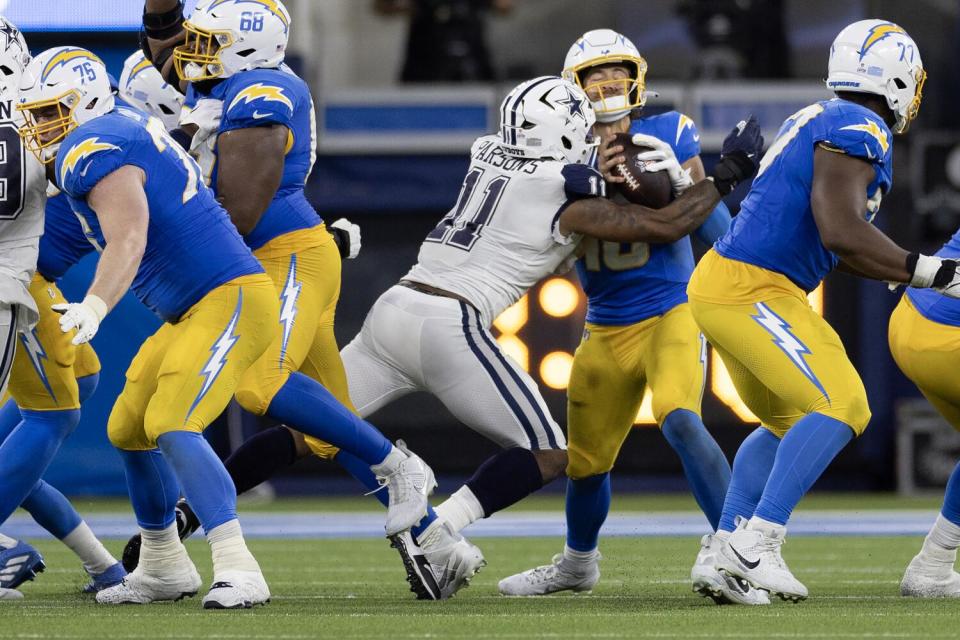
{"x": 744, "y": 561}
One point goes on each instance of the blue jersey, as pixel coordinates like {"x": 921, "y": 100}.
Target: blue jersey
{"x": 629, "y": 282}
{"x": 267, "y": 97}
{"x": 64, "y": 241}
{"x": 933, "y": 305}
{"x": 192, "y": 246}
{"x": 775, "y": 228}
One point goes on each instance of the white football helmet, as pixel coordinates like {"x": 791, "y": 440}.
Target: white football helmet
{"x": 224, "y": 37}
{"x": 605, "y": 46}
{"x": 14, "y": 58}
{"x": 142, "y": 86}
{"x": 548, "y": 117}
{"x": 61, "y": 89}
{"x": 876, "y": 56}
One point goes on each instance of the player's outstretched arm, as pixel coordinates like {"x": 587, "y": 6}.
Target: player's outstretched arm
{"x": 122, "y": 211}
{"x": 606, "y": 220}
{"x": 247, "y": 181}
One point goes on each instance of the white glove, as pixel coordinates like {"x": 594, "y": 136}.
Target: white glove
{"x": 353, "y": 232}
{"x": 83, "y": 316}
{"x": 940, "y": 274}
{"x": 662, "y": 158}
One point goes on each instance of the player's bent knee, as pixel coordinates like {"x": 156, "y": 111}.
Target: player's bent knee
{"x": 252, "y": 399}
{"x": 580, "y": 466}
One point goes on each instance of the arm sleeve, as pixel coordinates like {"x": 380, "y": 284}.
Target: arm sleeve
{"x": 714, "y": 226}
{"x": 259, "y": 103}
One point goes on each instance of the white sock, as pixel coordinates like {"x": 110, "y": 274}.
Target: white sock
{"x": 461, "y": 509}
{"x": 390, "y": 463}
{"x": 230, "y": 552}
{"x": 941, "y": 543}
{"x": 161, "y": 547}
{"x": 7, "y": 542}
{"x": 767, "y": 528}
{"x": 95, "y": 557}
{"x": 581, "y": 557}
{"x": 722, "y": 535}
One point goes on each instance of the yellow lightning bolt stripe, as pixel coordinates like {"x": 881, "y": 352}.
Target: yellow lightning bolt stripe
{"x": 80, "y": 151}
{"x": 877, "y": 34}
{"x": 873, "y": 129}
{"x": 260, "y": 91}
{"x": 685, "y": 122}
{"x": 140, "y": 66}
{"x": 270, "y": 5}
{"x": 63, "y": 58}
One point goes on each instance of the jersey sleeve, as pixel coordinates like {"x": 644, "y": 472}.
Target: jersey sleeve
{"x": 686, "y": 140}
{"x": 582, "y": 181}
{"x": 88, "y": 158}
{"x": 860, "y": 136}
{"x": 260, "y": 100}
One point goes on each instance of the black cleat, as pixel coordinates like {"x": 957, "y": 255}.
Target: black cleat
{"x": 419, "y": 572}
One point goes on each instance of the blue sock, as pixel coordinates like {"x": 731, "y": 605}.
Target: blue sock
{"x": 152, "y": 487}
{"x": 304, "y": 405}
{"x": 206, "y": 484}
{"x": 588, "y": 502}
{"x": 951, "y": 498}
{"x": 28, "y": 450}
{"x": 87, "y": 385}
{"x": 751, "y": 468}
{"x": 704, "y": 464}
{"x": 804, "y": 453}
{"x": 51, "y": 510}
{"x": 360, "y": 470}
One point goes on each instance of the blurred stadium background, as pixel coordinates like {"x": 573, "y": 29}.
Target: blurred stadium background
{"x": 400, "y": 95}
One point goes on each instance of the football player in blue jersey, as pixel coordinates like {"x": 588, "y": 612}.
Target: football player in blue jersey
{"x": 639, "y": 330}
{"x": 809, "y": 211}
{"x": 54, "y": 376}
{"x": 925, "y": 342}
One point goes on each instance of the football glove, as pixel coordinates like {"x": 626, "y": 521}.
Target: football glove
{"x": 662, "y": 158}
{"x": 939, "y": 274}
{"x": 739, "y": 156}
{"x": 83, "y": 316}
{"x": 347, "y": 236}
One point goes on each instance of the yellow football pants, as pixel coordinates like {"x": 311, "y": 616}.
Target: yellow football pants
{"x": 47, "y": 364}
{"x": 785, "y": 360}
{"x": 929, "y": 354}
{"x": 184, "y": 375}
{"x": 612, "y": 367}
{"x": 305, "y": 269}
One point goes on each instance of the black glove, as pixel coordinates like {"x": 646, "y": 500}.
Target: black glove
{"x": 739, "y": 157}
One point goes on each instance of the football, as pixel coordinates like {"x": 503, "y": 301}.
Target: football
{"x": 648, "y": 188}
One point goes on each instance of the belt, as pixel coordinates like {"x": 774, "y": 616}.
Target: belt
{"x": 432, "y": 291}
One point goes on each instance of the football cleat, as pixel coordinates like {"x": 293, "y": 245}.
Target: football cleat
{"x": 924, "y": 579}
{"x": 19, "y": 563}
{"x": 560, "y": 575}
{"x": 100, "y": 581}
{"x": 10, "y": 594}
{"x": 187, "y": 525}
{"x": 140, "y": 587}
{"x": 722, "y": 588}
{"x": 419, "y": 572}
{"x": 408, "y": 485}
{"x": 755, "y": 556}
{"x": 236, "y": 589}
{"x": 453, "y": 559}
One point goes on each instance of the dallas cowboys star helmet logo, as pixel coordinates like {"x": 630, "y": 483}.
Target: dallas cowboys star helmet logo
{"x": 10, "y": 34}
{"x": 574, "y": 104}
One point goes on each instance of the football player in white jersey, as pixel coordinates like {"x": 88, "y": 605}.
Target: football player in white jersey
{"x": 528, "y": 197}
{"x": 21, "y": 225}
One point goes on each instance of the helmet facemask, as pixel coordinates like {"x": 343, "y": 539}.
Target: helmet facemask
{"x": 614, "y": 98}
{"x": 47, "y": 123}
{"x": 198, "y": 58}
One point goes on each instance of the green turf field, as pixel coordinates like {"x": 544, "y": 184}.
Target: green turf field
{"x": 355, "y": 589}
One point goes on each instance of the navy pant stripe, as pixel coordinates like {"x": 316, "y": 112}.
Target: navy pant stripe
{"x": 497, "y": 380}
{"x": 6, "y": 363}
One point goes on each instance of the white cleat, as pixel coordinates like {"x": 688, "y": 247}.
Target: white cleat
{"x": 924, "y": 579}
{"x": 10, "y": 594}
{"x": 453, "y": 559}
{"x": 720, "y": 587}
{"x": 560, "y": 575}
{"x": 237, "y": 590}
{"x": 140, "y": 587}
{"x": 409, "y": 485}
{"x": 755, "y": 556}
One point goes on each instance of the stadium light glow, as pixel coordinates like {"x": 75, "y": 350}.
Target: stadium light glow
{"x": 559, "y": 297}
{"x": 555, "y": 369}
{"x": 514, "y": 317}
{"x": 516, "y": 349}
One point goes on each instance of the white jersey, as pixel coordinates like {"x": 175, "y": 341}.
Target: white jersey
{"x": 502, "y": 235}
{"x": 23, "y": 185}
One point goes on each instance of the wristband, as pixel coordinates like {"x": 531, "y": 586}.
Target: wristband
{"x": 160, "y": 26}
{"x": 97, "y": 305}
